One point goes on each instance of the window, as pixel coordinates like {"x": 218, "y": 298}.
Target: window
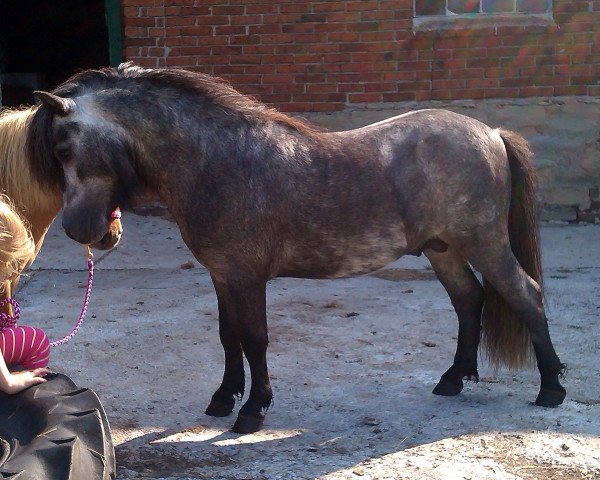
{"x": 482, "y": 7}
{"x": 430, "y": 14}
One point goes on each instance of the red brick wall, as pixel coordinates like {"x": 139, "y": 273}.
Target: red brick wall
{"x": 324, "y": 55}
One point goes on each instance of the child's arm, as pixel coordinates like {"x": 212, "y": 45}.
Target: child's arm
{"x": 15, "y": 382}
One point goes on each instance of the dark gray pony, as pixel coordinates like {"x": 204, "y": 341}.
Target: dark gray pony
{"x": 258, "y": 194}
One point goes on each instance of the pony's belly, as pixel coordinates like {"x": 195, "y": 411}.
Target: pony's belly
{"x": 358, "y": 265}
{"x": 347, "y": 258}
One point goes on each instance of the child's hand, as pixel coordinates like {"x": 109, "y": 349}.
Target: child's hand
{"x": 19, "y": 381}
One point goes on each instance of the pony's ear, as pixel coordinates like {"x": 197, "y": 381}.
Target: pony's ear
{"x": 60, "y": 105}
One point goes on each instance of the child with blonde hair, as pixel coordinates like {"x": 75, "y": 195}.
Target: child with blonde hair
{"x": 23, "y": 346}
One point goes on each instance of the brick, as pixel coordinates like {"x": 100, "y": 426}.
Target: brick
{"x": 364, "y": 97}
{"x": 245, "y": 19}
{"x": 295, "y": 7}
{"x": 346, "y": 17}
{"x": 398, "y": 97}
{"x": 594, "y": 90}
{"x": 321, "y": 88}
{"x": 381, "y": 87}
{"x": 139, "y": 42}
{"x": 536, "y": 91}
{"x": 262, "y": 8}
{"x": 187, "y": 10}
{"x": 502, "y": 93}
{"x": 310, "y": 78}
{"x": 217, "y": 50}
{"x": 319, "y": 97}
{"x": 553, "y": 60}
{"x": 258, "y": 49}
{"x": 230, "y": 30}
{"x": 570, "y": 90}
{"x": 482, "y": 83}
{"x": 329, "y": 7}
{"x": 584, "y": 80}
{"x": 343, "y": 37}
{"x": 214, "y": 19}
{"x": 197, "y": 31}
{"x": 297, "y": 28}
{"x": 277, "y": 78}
{"x": 467, "y": 73}
{"x": 377, "y": 37}
{"x": 291, "y": 88}
{"x": 182, "y": 61}
{"x": 516, "y": 82}
{"x": 280, "y": 19}
{"x": 131, "y": 12}
{"x": 157, "y": 32}
{"x": 377, "y": 14}
{"x": 572, "y": 69}
{"x": 447, "y": 84}
{"x": 245, "y": 59}
{"x": 244, "y": 39}
{"x": 136, "y": 32}
{"x": 470, "y": 53}
{"x": 227, "y": 10}
{"x": 310, "y": 37}
{"x": 140, "y": 22}
{"x": 544, "y": 81}
{"x": 277, "y": 38}
{"x": 471, "y": 94}
{"x": 351, "y": 87}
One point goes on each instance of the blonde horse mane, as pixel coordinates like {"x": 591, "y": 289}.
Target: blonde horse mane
{"x": 36, "y": 203}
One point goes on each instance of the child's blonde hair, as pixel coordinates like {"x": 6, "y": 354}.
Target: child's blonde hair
{"x": 17, "y": 248}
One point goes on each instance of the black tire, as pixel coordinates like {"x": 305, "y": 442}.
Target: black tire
{"x": 55, "y": 431}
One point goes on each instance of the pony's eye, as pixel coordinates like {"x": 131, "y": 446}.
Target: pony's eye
{"x": 62, "y": 153}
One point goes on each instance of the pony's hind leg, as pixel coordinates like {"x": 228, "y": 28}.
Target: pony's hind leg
{"x": 232, "y": 386}
{"x": 466, "y": 295}
{"x": 524, "y": 296}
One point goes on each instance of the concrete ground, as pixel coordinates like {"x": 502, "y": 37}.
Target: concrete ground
{"x": 352, "y": 364}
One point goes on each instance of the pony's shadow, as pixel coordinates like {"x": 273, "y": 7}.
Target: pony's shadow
{"x": 313, "y": 446}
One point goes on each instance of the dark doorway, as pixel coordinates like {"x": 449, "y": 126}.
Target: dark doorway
{"x": 44, "y": 42}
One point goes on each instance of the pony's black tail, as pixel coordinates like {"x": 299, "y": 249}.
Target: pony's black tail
{"x": 506, "y": 339}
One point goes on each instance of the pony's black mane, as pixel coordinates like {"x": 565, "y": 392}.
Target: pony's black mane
{"x": 39, "y": 139}
{"x": 218, "y": 90}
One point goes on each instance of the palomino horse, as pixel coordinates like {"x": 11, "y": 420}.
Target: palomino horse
{"x": 37, "y": 199}
{"x": 258, "y": 194}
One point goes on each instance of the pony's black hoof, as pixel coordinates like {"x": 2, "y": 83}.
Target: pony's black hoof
{"x": 245, "y": 424}
{"x": 447, "y": 388}
{"x": 550, "y": 398}
{"x": 217, "y": 408}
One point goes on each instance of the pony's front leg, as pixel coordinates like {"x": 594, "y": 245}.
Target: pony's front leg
{"x": 243, "y": 327}
{"x": 250, "y": 305}
{"x": 232, "y": 386}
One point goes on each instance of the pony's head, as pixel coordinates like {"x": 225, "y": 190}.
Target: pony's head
{"x": 91, "y": 155}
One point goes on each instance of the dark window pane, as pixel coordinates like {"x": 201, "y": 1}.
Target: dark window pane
{"x": 463, "y": 6}
{"x": 533, "y": 6}
{"x": 430, "y": 7}
{"x": 497, "y": 6}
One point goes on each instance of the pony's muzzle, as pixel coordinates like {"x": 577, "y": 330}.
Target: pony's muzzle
{"x": 84, "y": 230}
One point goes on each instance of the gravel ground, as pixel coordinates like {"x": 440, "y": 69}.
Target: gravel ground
{"x": 352, "y": 364}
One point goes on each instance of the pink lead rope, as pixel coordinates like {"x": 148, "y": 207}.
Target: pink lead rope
{"x": 86, "y": 301}
{"x": 11, "y": 320}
